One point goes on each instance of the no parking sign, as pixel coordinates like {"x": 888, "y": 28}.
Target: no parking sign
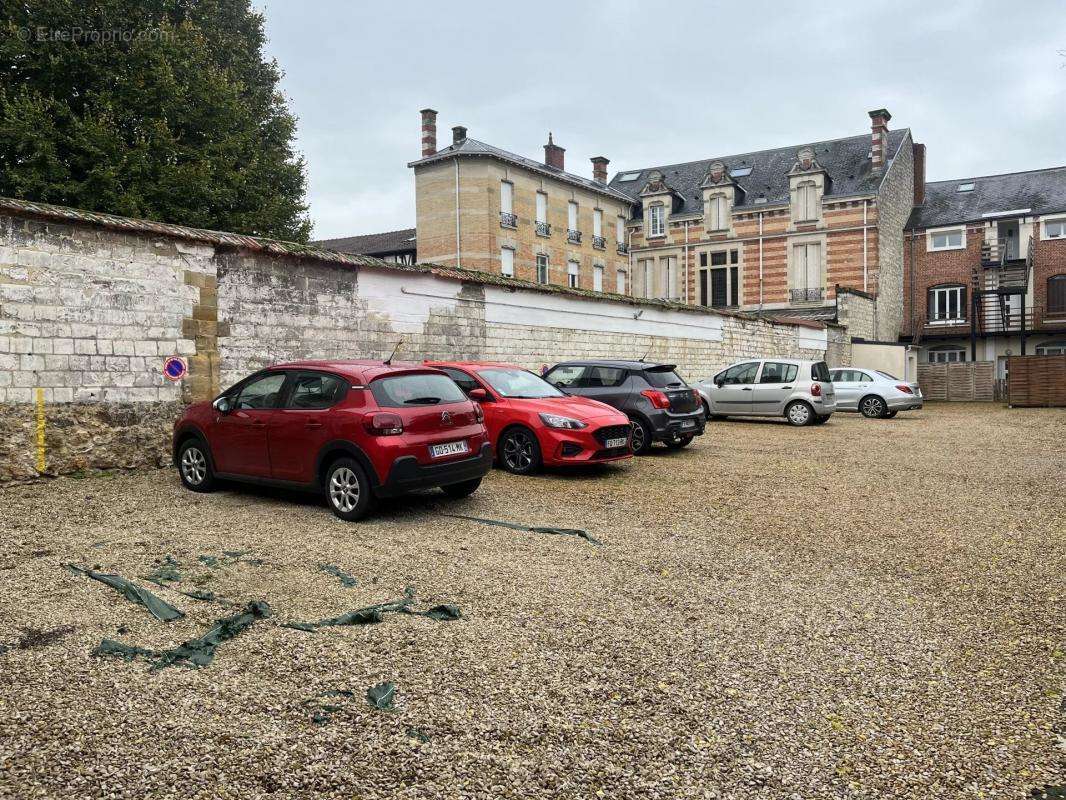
{"x": 175, "y": 368}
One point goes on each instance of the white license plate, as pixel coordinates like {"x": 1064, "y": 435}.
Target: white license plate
{"x": 449, "y": 449}
{"x": 612, "y": 443}
{"x": 688, "y": 423}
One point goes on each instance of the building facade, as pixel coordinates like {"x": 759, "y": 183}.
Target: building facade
{"x": 482, "y": 208}
{"x": 985, "y": 268}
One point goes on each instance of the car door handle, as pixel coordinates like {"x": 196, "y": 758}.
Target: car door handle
{"x": 258, "y": 423}
{"x": 313, "y": 424}
{"x": 745, "y": 389}
{"x": 786, "y": 387}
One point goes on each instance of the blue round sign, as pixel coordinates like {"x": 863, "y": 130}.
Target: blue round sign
{"x": 175, "y": 368}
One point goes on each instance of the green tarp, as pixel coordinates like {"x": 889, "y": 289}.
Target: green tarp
{"x": 531, "y": 528}
{"x": 372, "y": 615}
{"x": 160, "y": 609}
{"x": 345, "y": 579}
{"x": 382, "y": 696}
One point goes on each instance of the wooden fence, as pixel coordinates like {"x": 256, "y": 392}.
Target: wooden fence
{"x": 1036, "y": 381}
{"x": 965, "y": 381}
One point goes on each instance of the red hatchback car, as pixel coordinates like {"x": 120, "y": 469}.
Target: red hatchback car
{"x": 531, "y": 423}
{"x": 354, "y": 430}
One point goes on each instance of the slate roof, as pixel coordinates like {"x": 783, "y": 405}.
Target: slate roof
{"x": 475, "y": 148}
{"x": 818, "y": 313}
{"x": 373, "y": 244}
{"x": 847, "y": 161}
{"x": 1043, "y": 191}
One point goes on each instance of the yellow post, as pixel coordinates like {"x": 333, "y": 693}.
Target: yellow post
{"x": 40, "y": 432}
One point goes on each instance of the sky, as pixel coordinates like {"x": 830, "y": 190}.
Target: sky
{"x": 982, "y": 84}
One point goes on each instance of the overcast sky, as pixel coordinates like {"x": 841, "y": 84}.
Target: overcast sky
{"x": 982, "y": 84}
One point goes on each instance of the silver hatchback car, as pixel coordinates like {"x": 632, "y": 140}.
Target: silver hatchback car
{"x": 800, "y": 391}
{"x": 874, "y": 393}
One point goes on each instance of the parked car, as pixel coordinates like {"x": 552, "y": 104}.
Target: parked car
{"x": 874, "y": 393}
{"x": 800, "y": 391}
{"x": 660, "y": 406}
{"x": 531, "y": 423}
{"x": 353, "y": 430}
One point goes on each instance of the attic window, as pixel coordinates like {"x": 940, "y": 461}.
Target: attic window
{"x": 965, "y": 187}
{"x": 740, "y": 172}
{"x": 628, "y": 176}
{"x": 760, "y": 200}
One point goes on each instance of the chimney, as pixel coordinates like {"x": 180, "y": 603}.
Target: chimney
{"x": 919, "y": 174}
{"x": 429, "y": 132}
{"x": 458, "y": 134}
{"x": 599, "y": 169}
{"x": 879, "y": 138}
{"x": 553, "y": 154}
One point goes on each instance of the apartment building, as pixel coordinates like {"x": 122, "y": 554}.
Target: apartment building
{"x": 985, "y": 268}
{"x": 778, "y": 231}
{"x": 483, "y": 208}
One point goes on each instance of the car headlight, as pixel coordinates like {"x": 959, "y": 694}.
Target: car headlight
{"x": 556, "y": 421}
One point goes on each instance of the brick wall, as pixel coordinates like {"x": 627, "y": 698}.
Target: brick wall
{"x": 924, "y": 268}
{"x": 89, "y": 314}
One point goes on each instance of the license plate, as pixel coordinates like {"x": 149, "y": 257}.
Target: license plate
{"x": 688, "y": 423}
{"x": 449, "y": 449}
{"x": 612, "y": 443}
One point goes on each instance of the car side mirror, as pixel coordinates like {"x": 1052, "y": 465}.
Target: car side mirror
{"x": 223, "y": 405}
{"x": 718, "y": 382}
{"x": 480, "y": 395}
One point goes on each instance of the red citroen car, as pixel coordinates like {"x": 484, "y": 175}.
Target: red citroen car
{"x": 531, "y": 423}
{"x": 353, "y": 430}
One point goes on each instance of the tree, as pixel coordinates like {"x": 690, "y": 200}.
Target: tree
{"x": 163, "y": 109}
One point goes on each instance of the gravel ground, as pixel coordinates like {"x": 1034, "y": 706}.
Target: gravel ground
{"x": 870, "y": 609}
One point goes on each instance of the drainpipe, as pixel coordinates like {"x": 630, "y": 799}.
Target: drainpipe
{"x": 865, "y": 204}
{"x": 458, "y": 248}
{"x": 629, "y": 248}
{"x": 760, "y": 261}
{"x": 685, "y": 293}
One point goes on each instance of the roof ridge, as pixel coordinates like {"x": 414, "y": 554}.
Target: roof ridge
{"x": 361, "y": 235}
{"x": 996, "y": 175}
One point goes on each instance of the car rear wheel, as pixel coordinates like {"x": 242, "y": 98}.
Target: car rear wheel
{"x": 348, "y": 490}
{"x": 458, "y": 491}
{"x": 520, "y": 451}
{"x": 873, "y": 407}
{"x": 799, "y": 413}
{"x": 194, "y": 467}
{"x": 821, "y": 419}
{"x": 679, "y": 442}
{"x": 640, "y": 438}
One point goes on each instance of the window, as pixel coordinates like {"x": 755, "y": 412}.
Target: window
{"x": 313, "y": 390}
{"x": 597, "y": 222}
{"x": 620, "y": 230}
{"x": 464, "y": 381}
{"x": 1051, "y": 349}
{"x": 965, "y": 187}
{"x": 657, "y": 220}
{"x": 776, "y": 372}
{"x": 947, "y": 304}
{"x": 261, "y": 392}
{"x": 739, "y": 375}
{"x": 806, "y": 209}
{"x": 605, "y": 376}
{"x": 717, "y": 213}
{"x": 1055, "y": 228}
{"x": 628, "y": 176}
{"x": 669, "y": 275}
{"x": 820, "y": 371}
{"x": 567, "y": 376}
{"x": 946, "y": 354}
{"x": 620, "y": 281}
{"x": 740, "y": 172}
{"x": 597, "y": 278}
{"x": 1056, "y": 294}
{"x": 507, "y": 262}
{"x": 542, "y": 268}
{"x": 402, "y": 391}
{"x": 571, "y": 215}
{"x": 542, "y": 207}
{"x": 506, "y": 197}
{"x": 954, "y": 239}
{"x": 573, "y": 271}
{"x": 807, "y": 269}
{"x": 647, "y": 276}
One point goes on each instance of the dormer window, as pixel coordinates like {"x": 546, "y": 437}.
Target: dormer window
{"x": 657, "y": 220}
{"x": 807, "y": 202}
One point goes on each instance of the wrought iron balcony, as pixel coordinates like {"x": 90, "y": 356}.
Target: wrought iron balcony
{"x": 806, "y": 295}
{"x": 544, "y": 229}
{"x": 599, "y": 242}
{"x": 508, "y": 220}
{"x": 572, "y": 236}
{"x": 623, "y": 248}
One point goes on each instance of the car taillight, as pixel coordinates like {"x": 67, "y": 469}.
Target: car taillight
{"x": 658, "y": 399}
{"x": 695, "y": 395}
{"x": 904, "y": 388}
{"x": 383, "y": 424}
{"x": 816, "y": 390}
{"x": 479, "y": 413}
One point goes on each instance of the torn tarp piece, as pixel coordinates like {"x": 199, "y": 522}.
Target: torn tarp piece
{"x": 382, "y": 696}
{"x": 166, "y": 571}
{"x": 345, "y": 579}
{"x": 446, "y": 612}
{"x": 323, "y": 711}
{"x": 371, "y": 615}
{"x": 532, "y": 528}
{"x": 195, "y": 652}
{"x": 160, "y": 609}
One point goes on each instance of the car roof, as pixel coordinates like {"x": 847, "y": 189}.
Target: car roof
{"x": 474, "y": 365}
{"x": 621, "y": 363}
{"x": 359, "y": 368}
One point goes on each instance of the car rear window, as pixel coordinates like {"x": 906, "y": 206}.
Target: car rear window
{"x": 820, "y": 371}
{"x": 403, "y": 391}
{"x": 886, "y": 375}
{"x": 663, "y": 378}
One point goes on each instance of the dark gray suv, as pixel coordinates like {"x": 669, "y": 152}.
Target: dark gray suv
{"x": 659, "y": 404}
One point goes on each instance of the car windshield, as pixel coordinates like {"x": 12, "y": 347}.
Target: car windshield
{"x": 886, "y": 375}
{"x": 663, "y": 378}
{"x": 518, "y": 383}
{"x": 415, "y": 390}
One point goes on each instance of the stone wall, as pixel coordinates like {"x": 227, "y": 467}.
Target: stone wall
{"x": 91, "y": 308}
{"x": 894, "y": 207}
{"x": 857, "y": 311}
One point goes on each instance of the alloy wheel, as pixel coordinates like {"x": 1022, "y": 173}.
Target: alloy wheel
{"x": 194, "y": 465}
{"x": 873, "y": 407}
{"x": 518, "y": 451}
{"x": 344, "y": 489}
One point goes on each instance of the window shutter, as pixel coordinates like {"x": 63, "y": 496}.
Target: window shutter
{"x": 931, "y": 305}
{"x": 1056, "y": 294}
{"x": 964, "y": 312}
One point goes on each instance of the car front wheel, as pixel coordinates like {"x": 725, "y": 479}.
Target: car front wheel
{"x": 520, "y": 451}
{"x": 194, "y": 467}
{"x": 873, "y": 407}
{"x": 348, "y": 490}
{"x": 799, "y": 413}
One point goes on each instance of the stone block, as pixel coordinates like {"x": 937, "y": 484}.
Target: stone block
{"x": 144, "y": 348}
{"x": 85, "y": 346}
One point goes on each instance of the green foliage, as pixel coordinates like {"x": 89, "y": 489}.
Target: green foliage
{"x": 162, "y": 109}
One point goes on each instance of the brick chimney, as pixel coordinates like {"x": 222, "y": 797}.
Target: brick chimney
{"x": 553, "y": 154}
{"x": 919, "y": 174}
{"x": 458, "y": 134}
{"x": 429, "y": 132}
{"x": 879, "y": 138}
{"x": 599, "y": 169}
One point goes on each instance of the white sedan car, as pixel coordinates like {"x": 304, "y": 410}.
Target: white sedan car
{"x": 874, "y": 393}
